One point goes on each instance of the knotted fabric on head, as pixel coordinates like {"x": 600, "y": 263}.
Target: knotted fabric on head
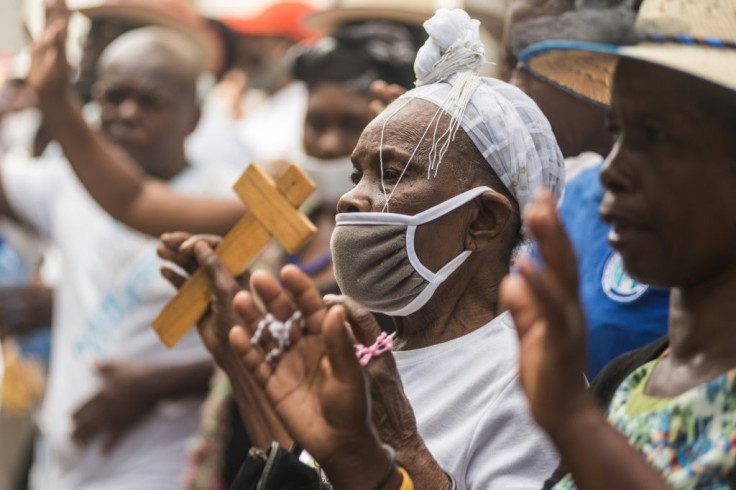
{"x": 505, "y": 125}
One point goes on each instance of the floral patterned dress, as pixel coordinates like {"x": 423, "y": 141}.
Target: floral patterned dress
{"x": 690, "y": 439}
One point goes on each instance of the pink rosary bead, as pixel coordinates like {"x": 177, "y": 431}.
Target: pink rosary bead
{"x": 384, "y": 343}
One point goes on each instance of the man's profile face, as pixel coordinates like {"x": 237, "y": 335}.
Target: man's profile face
{"x": 670, "y": 181}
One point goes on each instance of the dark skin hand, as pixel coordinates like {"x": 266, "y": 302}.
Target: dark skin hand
{"x": 548, "y": 315}
{"x": 317, "y": 388}
{"x": 384, "y": 94}
{"x": 188, "y": 252}
{"x": 392, "y": 414}
{"x": 24, "y": 309}
{"x": 130, "y": 392}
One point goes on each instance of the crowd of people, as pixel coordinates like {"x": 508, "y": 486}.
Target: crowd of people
{"x": 519, "y": 277}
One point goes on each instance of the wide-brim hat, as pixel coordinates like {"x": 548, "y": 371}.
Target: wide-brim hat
{"x": 179, "y": 15}
{"x": 697, "y": 37}
{"x": 411, "y": 12}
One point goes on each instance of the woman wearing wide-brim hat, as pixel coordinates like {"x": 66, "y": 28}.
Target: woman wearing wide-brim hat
{"x": 670, "y": 187}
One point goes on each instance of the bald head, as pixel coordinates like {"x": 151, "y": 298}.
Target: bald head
{"x": 155, "y": 52}
{"x": 147, "y": 91}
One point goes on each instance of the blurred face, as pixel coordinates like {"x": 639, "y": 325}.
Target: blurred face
{"x": 441, "y": 240}
{"x": 144, "y": 111}
{"x": 670, "y": 182}
{"x": 262, "y": 58}
{"x": 336, "y": 117}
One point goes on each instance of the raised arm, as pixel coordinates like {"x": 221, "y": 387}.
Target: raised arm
{"x": 548, "y": 315}
{"x": 113, "y": 179}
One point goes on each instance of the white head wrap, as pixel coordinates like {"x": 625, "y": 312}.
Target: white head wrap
{"x": 506, "y": 126}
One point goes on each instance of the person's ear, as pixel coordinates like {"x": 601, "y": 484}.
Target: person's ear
{"x": 494, "y": 215}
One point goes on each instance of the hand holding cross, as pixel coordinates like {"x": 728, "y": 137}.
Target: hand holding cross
{"x": 272, "y": 213}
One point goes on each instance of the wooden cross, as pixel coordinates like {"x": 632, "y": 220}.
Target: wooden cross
{"x": 272, "y": 213}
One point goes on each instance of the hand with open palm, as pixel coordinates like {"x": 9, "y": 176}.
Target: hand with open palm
{"x": 549, "y": 318}
{"x": 317, "y": 386}
{"x": 49, "y": 71}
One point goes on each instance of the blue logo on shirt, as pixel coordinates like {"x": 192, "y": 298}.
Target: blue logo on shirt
{"x": 617, "y": 284}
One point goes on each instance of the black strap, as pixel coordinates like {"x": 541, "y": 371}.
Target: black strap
{"x": 391, "y": 466}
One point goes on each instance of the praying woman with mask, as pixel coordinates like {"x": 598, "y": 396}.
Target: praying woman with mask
{"x": 339, "y": 72}
{"x": 426, "y": 235}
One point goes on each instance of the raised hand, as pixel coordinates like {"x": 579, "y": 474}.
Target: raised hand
{"x": 317, "y": 386}
{"x": 126, "y": 397}
{"x": 392, "y": 413}
{"x": 549, "y": 318}
{"x": 49, "y": 71}
{"x": 384, "y": 94}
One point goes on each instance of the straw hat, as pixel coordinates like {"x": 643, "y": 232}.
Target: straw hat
{"x": 412, "y": 12}
{"x": 176, "y": 14}
{"x": 697, "y": 37}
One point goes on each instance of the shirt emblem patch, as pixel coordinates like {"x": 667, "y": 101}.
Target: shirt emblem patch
{"x": 617, "y": 284}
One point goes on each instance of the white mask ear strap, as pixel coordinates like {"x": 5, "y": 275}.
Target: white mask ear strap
{"x": 432, "y": 214}
{"x": 434, "y": 283}
{"x": 447, "y": 206}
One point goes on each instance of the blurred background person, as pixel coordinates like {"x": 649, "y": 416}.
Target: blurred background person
{"x": 119, "y": 406}
{"x": 622, "y": 314}
{"x": 270, "y": 114}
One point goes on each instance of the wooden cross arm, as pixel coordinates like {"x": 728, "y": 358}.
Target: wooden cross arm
{"x": 272, "y": 213}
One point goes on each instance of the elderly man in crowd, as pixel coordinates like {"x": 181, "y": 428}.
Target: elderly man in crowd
{"x": 119, "y": 407}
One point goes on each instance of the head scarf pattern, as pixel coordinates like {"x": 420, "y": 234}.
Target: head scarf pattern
{"x": 505, "y": 125}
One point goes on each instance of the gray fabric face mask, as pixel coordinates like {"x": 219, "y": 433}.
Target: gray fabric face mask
{"x": 376, "y": 263}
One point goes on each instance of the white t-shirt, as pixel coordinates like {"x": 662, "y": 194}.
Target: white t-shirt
{"x": 472, "y": 413}
{"x": 110, "y": 292}
{"x": 273, "y": 127}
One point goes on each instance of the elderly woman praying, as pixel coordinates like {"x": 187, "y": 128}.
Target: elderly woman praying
{"x": 426, "y": 236}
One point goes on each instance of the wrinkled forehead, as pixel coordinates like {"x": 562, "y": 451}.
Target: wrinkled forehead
{"x": 404, "y": 124}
